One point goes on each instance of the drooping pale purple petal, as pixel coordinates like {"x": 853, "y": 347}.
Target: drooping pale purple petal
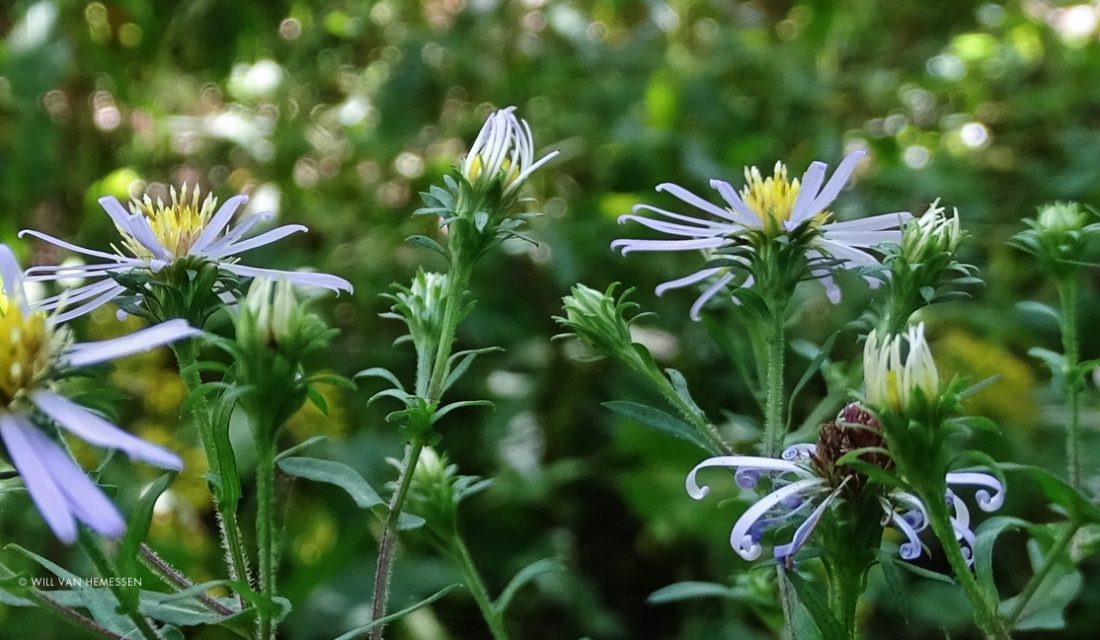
{"x": 630, "y": 245}
{"x": 802, "y": 534}
{"x": 300, "y": 278}
{"x": 758, "y": 463}
{"x": 47, "y": 497}
{"x": 73, "y": 296}
{"x": 912, "y": 548}
{"x": 673, "y": 228}
{"x": 986, "y": 501}
{"x": 217, "y": 223}
{"x": 741, "y": 540}
{"x": 239, "y": 230}
{"x": 880, "y": 222}
{"x": 98, "y": 431}
{"x": 698, "y": 276}
{"x": 799, "y": 451}
{"x": 45, "y": 237}
{"x": 88, "y": 307}
{"x": 696, "y": 311}
{"x": 86, "y": 501}
{"x": 87, "y": 353}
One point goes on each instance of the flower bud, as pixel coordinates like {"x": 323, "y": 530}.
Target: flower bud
{"x": 927, "y": 238}
{"x": 598, "y": 318}
{"x": 893, "y": 380}
{"x": 1060, "y": 218}
{"x": 421, "y": 306}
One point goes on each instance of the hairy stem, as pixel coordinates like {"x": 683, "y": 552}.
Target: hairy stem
{"x": 127, "y": 600}
{"x": 265, "y": 535}
{"x": 72, "y": 616}
{"x": 985, "y": 612}
{"x": 228, "y": 527}
{"x": 774, "y": 424}
{"x": 477, "y": 588}
{"x": 1067, "y": 294}
{"x": 703, "y": 426}
{"x": 458, "y": 281}
{"x": 174, "y": 578}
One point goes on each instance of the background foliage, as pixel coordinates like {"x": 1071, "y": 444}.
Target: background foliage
{"x": 337, "y": 113}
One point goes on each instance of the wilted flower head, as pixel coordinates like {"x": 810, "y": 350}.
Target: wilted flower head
{"x": 807, "y": 481}
{"x": 898, "y": 367}
{"x": 768, "y": 209}
{"x": 33, "y": 352}
{"x": 504, "y": 151}
{"x": 156, "y": 235}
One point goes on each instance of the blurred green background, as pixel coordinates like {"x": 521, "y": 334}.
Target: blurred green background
{"x": 337, "y": 113}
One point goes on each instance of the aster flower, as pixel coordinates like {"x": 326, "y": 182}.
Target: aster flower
{"x": 766, "y": 209}
{"x": 34, "y": 350}
{"x": 156, "y": 235}
{"x": 807, "y": 480}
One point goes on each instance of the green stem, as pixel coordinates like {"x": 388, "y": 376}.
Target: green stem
{"x": 72, "y": 616}
{"x": 127, "y": 600}
{"x": 773, "y": 407}
{"x": 265, "y": 535}
{"x": 1052, "y": 558}
{"x": 985, "y": 612}
{"x": 457, "y": 282}
{"x": 174, "y": 578}
{"x": 1067, "y": 294}
{"x": 228, "y": 526}
{"x": 703, "y": 426}
{"x": 786, "y": 600}
{"x": 477, "y": 588}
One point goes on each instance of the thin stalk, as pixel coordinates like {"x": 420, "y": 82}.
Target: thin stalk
{"x": 1039, "y": 576}
{"x": 703, "y": 426}
{"x": 477, "y": 588}
{"x": 1067, "y": 294}
{"x": 985, "y": 612}
{"x": 107, "y": 569}
{"x": 174, "y": 578}
{"x": 228, "y": 528}
{"x": 72, "y": 616}
{"x": 786, "y": 600}
{"x": 774, "y": 422}
{"x": 457, "y": 282}
{"x": 265, "y": 535}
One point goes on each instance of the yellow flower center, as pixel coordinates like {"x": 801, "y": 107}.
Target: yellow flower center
{"x": 176, "y": 225}
{"x": 24, "y": 349}
{"x": 772, "y": 198}
{"x": 508, "y": 172}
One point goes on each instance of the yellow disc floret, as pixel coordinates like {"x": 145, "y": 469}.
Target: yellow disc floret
{"x": 25, "y": 349}
{"x": 772, "y": 198}
{"x": 176, "y": 225}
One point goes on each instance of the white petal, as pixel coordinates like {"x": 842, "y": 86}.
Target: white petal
{"x": 986, "y": 501}
{"x": 673, "y": 228}
{"x": 758, "y": 463}
{"x": 136, "y": 226}
{"x": 807, "y": 190}
{"x": 629, "y": 245}
{"x": 12, "y": 278}
{"x": 740, "y": 538}
{"x": 862, "y": 238}
{"x": 265, "y": 238}
{"x": 88, "y": 307}
{"x": 836, "y": 182}
{"x": 696, "y": 312}
{"x": 72, "y": 247}
{"x": 740, "y": 211}
{"x": 238, "y": 231}
{"x": 698, "y": 276}
{"x": 87, "y": 353}
{"x": 98, "y": 431}
{"x": 880, "y": 222}
{"x": 721, "y": 224}
{"x": 802, "y": 534}
{"x": 300, "y": 278}
{"x": 217, "y": 223}
{"x": 695, "y": 201}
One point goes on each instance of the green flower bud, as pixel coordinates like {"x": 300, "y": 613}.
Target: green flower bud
{"x": 927, "y": 238}
{"x": 1060, "y": 218}
{"x": 598, "y": 318}
{"x": 420, "y": 306}
{"x": 1059, "y": 236}
{"x": 894, "y": 381}
{"x": 436, "y": 491}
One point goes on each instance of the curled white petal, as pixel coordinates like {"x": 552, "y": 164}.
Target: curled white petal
{"x": 802, "y": 534}
{"x": 986, "y": 501}
{"x": 741, "y": 539}
{"x": 755, "y": 463}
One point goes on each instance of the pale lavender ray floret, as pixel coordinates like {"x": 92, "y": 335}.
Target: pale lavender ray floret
{"x": 775, "y": 206}
{"x": 155, "y": 235}
{"x": 797, "y": 484}
{"x": 35, "y": 349}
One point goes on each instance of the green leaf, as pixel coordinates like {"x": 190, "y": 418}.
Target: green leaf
{"x": 317, "y": 399}
{"x": 359, "y": 631}
{"x": 691, "y": 591}
{"x": 183, "y": 609}
{"x": 1054, "y": 361}
{"x": 334, "y": 473}
{"x": 463, "y": 359}
{"x": 811, "y": 369}
{"x": 385, "y": 374}
{"x": 817, "y": 604}
{"x": 1047, "y": 608}
{"x": 681, "y": 387}
{"x": 137, "y": 526}
{"x": 986, "y": 538}
{"x": 301, "y": 446}
{"x": 438, "y": 415}
{"x": 659, "y": 421}
{"x": 980, "y": 423}
{"x": 524, "y": 576}
{"x": 427, "y": 243}
{"x": 1076, "y": 505}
